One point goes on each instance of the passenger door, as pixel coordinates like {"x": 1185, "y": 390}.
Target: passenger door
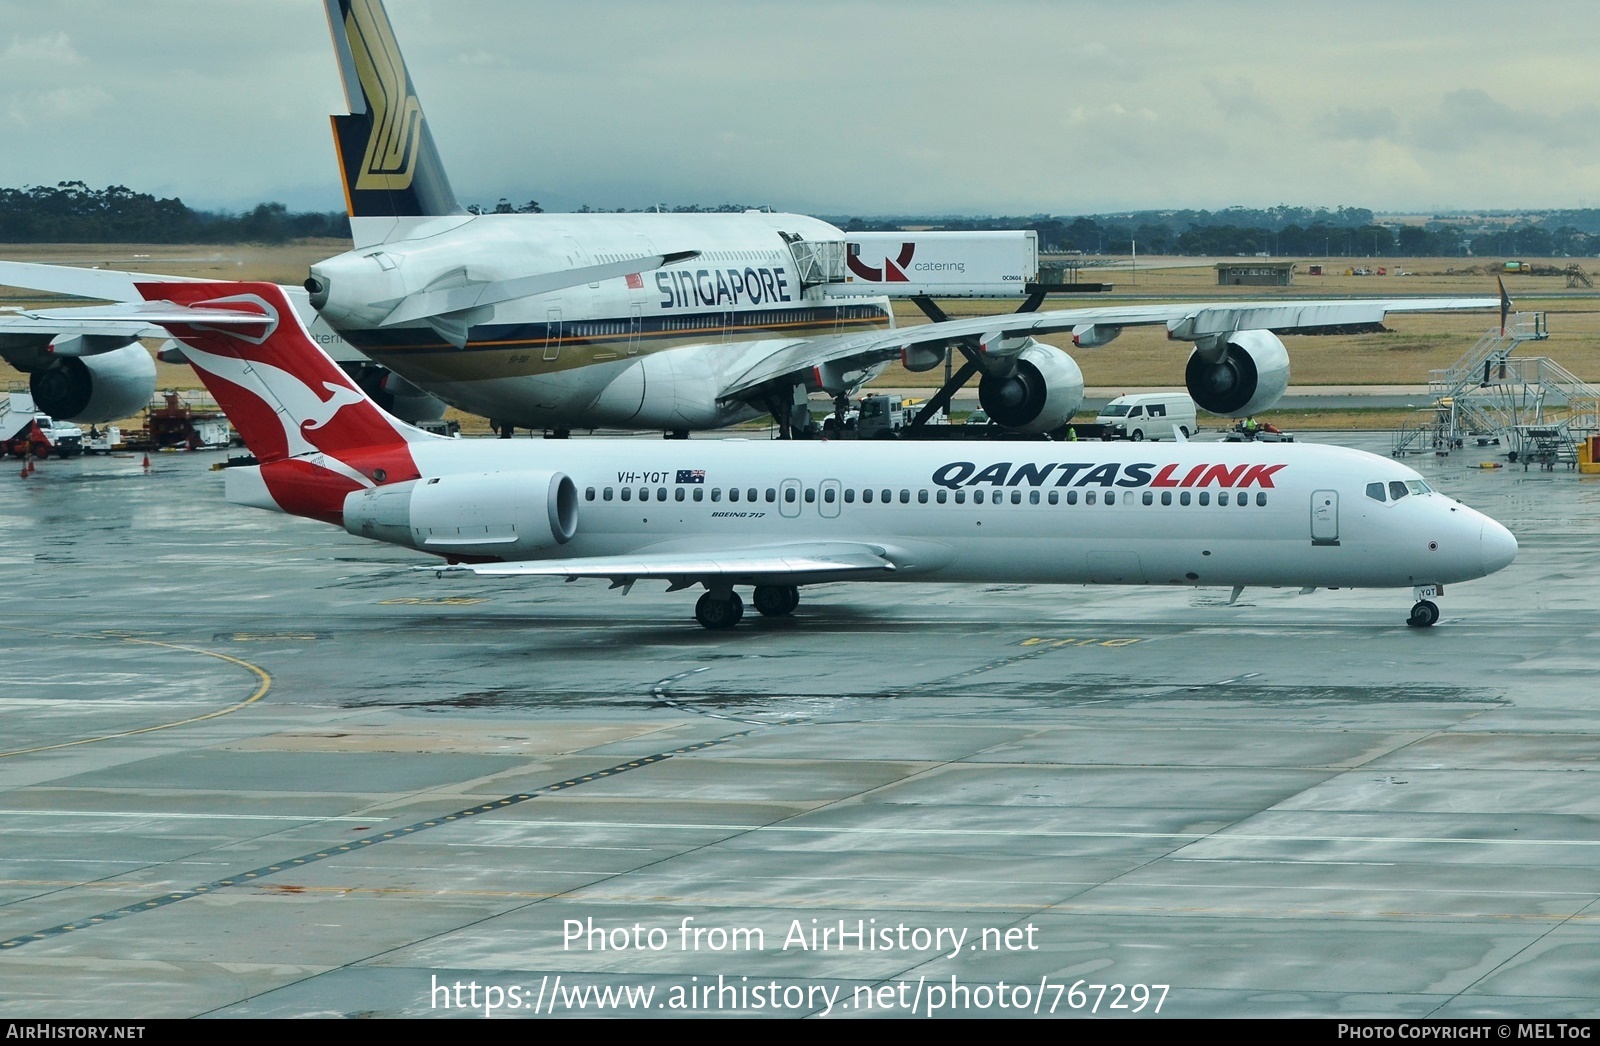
{"x": 1325, "y": 517}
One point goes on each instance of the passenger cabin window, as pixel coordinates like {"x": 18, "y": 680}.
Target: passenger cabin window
{"x": 961, "y": 497}
{"x": 1088, "y": 497}
{"x": 1205, "y": 497}
{"x": 866, "y": 496}
{"x": 750, "y": 494}
{"x": 699, "y": 493}
{"x": 733, "y": 493}
{"x": 627, "y": 493}
{"x": 1016, "y": 497}
{"x": 1261, "y": 498}
{"x": 1111, "y": 497}
{"x": 941, "y": 495}
{"x": 850, "y": 496}
{"x": 678, "y": 494}
{"x": 905, "y": 497}
{"x": 788, "y": 495}
{"x": 605, "y": 495}
{"x": 588, "y": 494}
{"x": 1222, "y": 497}
{"x": 772, "y": 495}
{"x": 977, "y": 497}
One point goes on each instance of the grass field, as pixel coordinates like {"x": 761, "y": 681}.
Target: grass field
{"x": 1140, "y": 358}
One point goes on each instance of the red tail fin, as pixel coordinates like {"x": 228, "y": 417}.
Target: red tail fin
{"x": 315, "y": 433}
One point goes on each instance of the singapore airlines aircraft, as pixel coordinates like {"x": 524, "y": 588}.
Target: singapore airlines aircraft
{"x": 722, "y": 514}
{"x": 664, "y": 322}
{"x": 692, "y": 321}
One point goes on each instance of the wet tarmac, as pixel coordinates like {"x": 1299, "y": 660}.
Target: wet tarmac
{"x": 253, "y": 766}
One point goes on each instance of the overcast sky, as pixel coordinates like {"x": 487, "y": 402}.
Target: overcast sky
{"x": 852, "y": 107}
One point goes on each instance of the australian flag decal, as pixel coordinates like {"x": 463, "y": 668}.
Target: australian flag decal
{"x": 691, "y": 475}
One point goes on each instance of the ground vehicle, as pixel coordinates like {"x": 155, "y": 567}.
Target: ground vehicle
{"x": 1148, "y": 415}
{"x": 1264, "y": 432}
{"x": 45, "y": 437}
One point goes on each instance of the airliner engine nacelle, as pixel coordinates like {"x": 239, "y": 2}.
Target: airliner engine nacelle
{"x": 495, "y": 515}
{"x": 106, "y": 386}
{"x": 1039, "y": 395}
{"x": 1250, "y": 373}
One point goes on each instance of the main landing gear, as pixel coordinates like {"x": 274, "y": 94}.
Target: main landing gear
{"x": 720, "y": 610}
{"x": 1425, "y": 614}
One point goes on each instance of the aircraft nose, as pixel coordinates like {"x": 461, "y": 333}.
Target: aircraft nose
{"x": 1498, "y": 546}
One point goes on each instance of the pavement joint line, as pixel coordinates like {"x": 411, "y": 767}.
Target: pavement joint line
{"x": 250, "y": 877}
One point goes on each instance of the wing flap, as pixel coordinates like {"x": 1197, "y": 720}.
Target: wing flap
{"x": 832, "y": 559}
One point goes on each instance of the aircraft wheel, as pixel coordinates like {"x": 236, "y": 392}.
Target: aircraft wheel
{"x": 718, "y": 612}
{"x": 776, "y": 600}
{"x": 1424, "y": 615}
{"x": 1137, "y": 435}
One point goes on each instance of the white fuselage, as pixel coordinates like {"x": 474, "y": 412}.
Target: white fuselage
{"x": 652, "y": 351}
{"x": 1116, "y": 513}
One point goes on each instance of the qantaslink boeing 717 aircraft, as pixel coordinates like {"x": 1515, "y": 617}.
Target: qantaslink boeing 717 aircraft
{"x": 725, "y": 514}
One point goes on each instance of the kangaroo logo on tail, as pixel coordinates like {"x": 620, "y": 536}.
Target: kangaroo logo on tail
{"x": 316, "y": 435}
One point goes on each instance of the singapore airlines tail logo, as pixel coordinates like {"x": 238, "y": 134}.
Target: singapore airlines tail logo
{"x": 893, "y": 271}
{"x": 391, "y": 154}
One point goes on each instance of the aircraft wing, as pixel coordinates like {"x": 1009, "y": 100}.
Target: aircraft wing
{"x": 1184, "y": 321}
{"x": 817, "y": 560}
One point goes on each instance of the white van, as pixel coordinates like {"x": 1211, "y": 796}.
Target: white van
{"x": 1149, "y": 415}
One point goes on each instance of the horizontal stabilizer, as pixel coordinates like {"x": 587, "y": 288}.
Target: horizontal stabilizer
{"x": 442, "y": 302}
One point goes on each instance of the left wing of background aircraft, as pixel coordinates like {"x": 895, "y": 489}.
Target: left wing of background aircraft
{"x": 88, "y": 366}
{"x": 1238, "y": 366}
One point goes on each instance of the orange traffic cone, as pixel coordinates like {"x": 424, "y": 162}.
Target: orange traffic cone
{"x": 147, "y": 463}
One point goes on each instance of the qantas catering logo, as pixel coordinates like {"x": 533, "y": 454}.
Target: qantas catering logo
{"x": 1112, "y": 474}
{"x": 391, "y": 154}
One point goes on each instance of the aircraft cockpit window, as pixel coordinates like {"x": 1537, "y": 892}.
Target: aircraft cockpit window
{"x": 1416, "y": 486}
{"x": 1397, "y": 489}
{"x": 1375, "y": 491}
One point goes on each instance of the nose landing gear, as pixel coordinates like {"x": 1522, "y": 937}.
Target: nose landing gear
{"x": 1425, "y": 613}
